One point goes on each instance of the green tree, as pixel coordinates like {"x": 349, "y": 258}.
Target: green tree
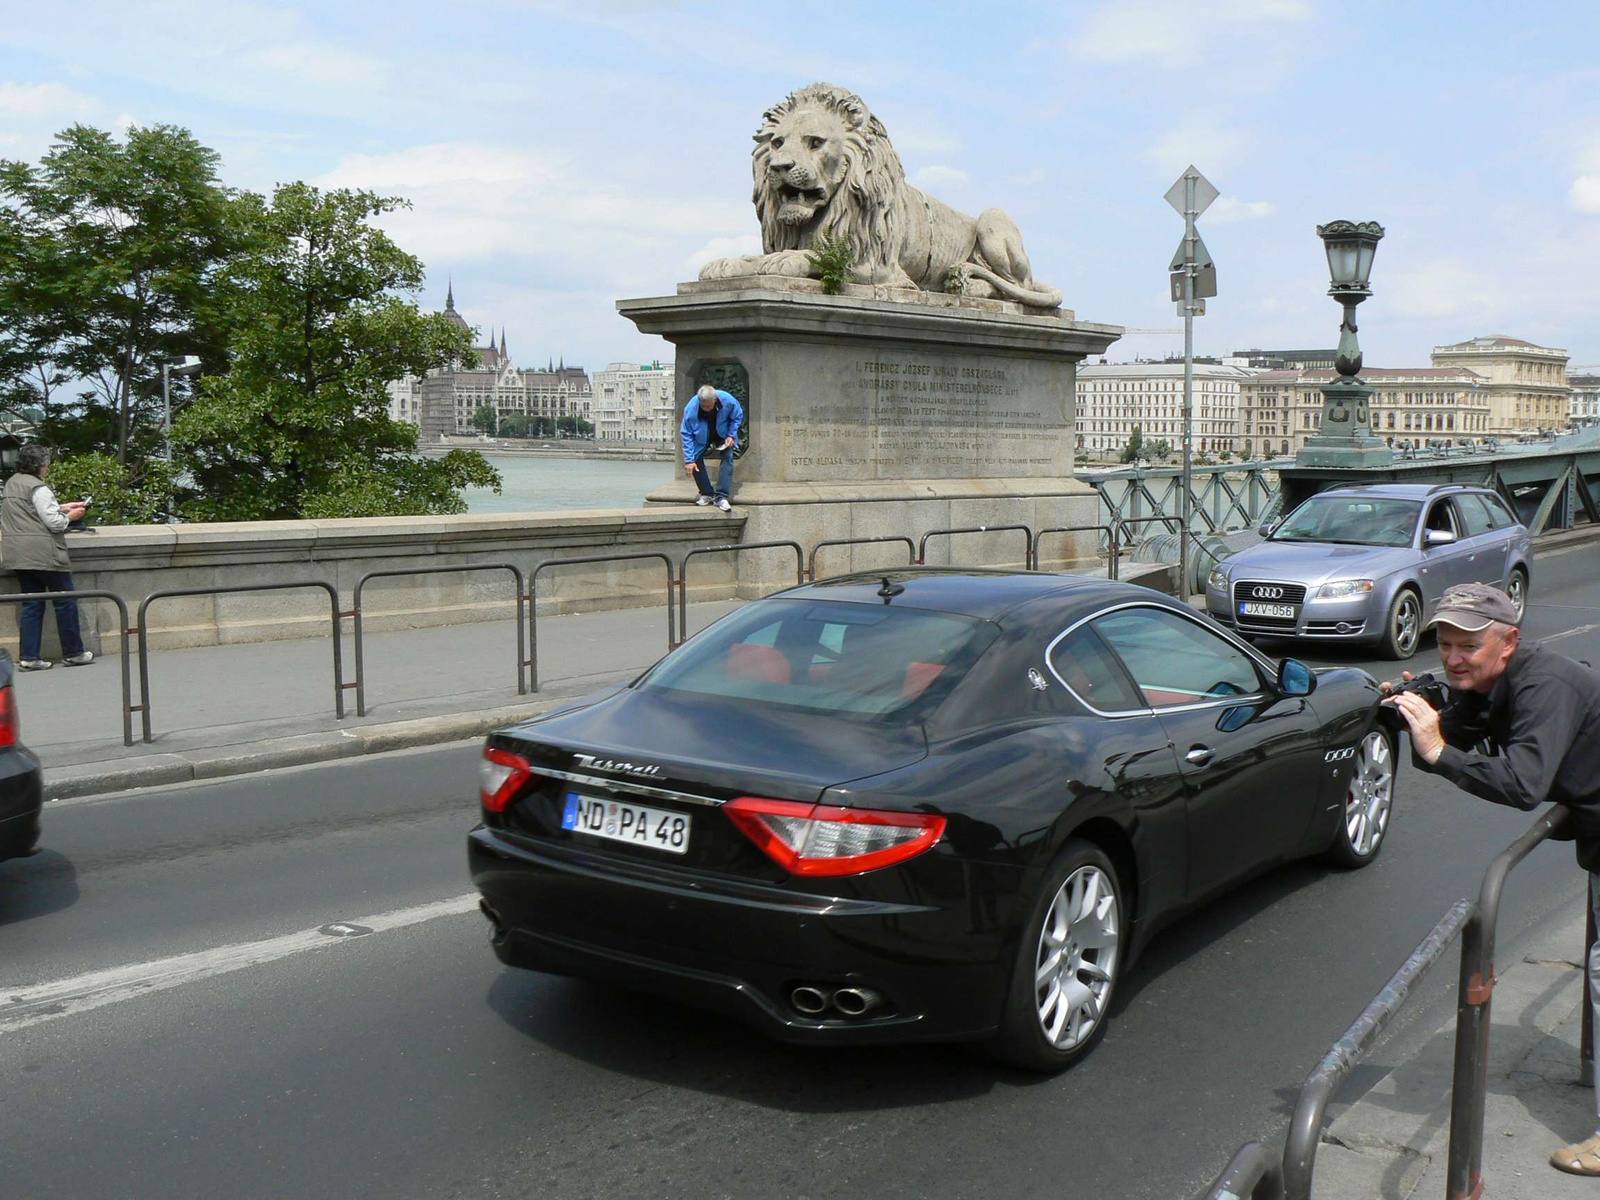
{"x": 1135, "y": 446}
{"x": 574, "y": 426}
{"x": 139, "y": 495}
{"x": 486, "y": 419}
{"x": 1161, "y": 451}
{"x": 119, "y": 244}
{"x": 317, "y": 326}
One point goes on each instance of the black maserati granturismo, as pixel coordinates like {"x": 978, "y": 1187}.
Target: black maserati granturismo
{"x": 938, "y": 805}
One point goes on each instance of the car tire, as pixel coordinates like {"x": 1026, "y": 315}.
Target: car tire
{"x": 1517, "y": 589}
{"x": 1368, "y": 802}
{"x": 1039, "y": 1030}
{"x": 1402, "y": 627}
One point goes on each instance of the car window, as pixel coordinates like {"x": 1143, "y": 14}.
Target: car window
{"x": 1175, "y": 660}
{"x": 827, "y": 656}
{"x": 1441, "y": 517}
{"x": 1351, "y": 520}
{"x": 1475, "y": 515}
{"x": 1082, "y": 662}
{"x": 1502, "y": 515}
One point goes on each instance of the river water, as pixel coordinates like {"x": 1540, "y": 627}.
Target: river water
{"x": 546, "y": 484}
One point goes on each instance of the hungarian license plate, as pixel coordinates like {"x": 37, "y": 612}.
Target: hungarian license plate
{"x": 618, "y": 821}
{"x": 1252, "y": 609}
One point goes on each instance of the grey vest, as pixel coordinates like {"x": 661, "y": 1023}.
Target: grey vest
{"x": 26, "y": 542}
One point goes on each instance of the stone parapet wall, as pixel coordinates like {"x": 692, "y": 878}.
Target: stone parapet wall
{"x": 136, "y": 560}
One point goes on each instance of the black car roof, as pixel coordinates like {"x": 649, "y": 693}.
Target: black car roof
{"x": 973, "y": 592}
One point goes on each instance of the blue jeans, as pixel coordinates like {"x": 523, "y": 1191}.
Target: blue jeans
{"x": 724, "y": 475}
{"x": 31, "y": 622}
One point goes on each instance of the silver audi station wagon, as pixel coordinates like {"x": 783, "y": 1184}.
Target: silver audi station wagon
{"x": 1368, "y": 563}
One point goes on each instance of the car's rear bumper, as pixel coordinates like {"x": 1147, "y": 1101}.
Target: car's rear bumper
{"x": 21, "y": 798}
{"x": 742, "y": 948}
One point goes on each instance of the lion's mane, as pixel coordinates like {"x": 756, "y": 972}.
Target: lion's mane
{"x": 865, "y": 210}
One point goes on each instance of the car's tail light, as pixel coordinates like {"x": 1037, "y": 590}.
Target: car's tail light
{"x": 10, "y": 722}
{"x": 501, "y": 775}
{"x": 818, "y": 839}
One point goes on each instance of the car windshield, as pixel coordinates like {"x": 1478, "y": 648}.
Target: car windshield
{"x": 827, "y": 656}
{"x": 1351, "y": 521}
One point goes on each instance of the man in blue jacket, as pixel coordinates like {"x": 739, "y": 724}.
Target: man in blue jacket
{"x": 712, "y": 416}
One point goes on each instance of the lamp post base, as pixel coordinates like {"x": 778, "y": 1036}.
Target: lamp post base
{"x": 1345, "y": 438}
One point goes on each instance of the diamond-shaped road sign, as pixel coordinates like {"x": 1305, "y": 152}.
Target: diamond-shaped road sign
{"x": 1204, "y": 193}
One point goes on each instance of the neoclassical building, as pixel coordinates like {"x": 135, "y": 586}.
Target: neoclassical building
{"x": 1279, "y": 410}
{"x": 1113, "y": 398}
{"x": 635, "y": 402}
{"x": 1526, "y": 384}
{"x": 1583, "y": 410}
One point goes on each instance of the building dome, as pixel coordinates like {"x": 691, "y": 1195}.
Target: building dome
{"x": 450, "y": 307}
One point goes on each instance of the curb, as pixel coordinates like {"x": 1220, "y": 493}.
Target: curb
{"x": 218, "y": 762}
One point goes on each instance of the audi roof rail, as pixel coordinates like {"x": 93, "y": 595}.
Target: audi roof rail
{"x": 1445, "y": 487}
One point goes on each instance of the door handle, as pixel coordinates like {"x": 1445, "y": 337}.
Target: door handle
{"x": 1198, "y": 755}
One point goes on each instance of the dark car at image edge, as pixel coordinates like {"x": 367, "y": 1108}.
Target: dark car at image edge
{"x": 21, "y": 790}
{"x": 939, "y": 805}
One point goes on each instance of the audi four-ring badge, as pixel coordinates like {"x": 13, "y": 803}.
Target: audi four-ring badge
{"x": 941, "y": 806}
{"x": 1368, "y": 564}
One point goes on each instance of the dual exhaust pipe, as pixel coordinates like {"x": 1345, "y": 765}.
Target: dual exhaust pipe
{"x": 850, "y": 1001}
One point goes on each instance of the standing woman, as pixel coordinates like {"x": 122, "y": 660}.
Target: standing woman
{"x": 33, "y": 543}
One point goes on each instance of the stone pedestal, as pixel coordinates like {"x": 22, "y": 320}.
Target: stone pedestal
{"x": 1345, "y": 438}
{"x": 886, "y": 411}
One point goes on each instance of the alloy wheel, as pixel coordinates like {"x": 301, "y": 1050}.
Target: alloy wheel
{"x": 1077, "y": 960}
{"x": 1517, "y": 589}
{"x": 1407, "y": 624}
{"x": 1370, "y": 796}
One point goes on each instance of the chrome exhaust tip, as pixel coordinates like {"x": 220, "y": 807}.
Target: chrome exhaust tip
{"x": 809, "y": 1000}
{"x": 497, "y": 929}
{"x": 855, "y": 1002}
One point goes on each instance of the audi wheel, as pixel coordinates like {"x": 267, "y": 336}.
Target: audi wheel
{"x": 1368, "y": 802}
{"x": 1402, "y": 630}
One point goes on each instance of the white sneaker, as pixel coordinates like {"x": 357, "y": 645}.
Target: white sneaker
{"x": 34, "y": 664}
{"x": 80, "y": 660}
{"x": 702, "y": 501}
{"x": 722, "y": 503}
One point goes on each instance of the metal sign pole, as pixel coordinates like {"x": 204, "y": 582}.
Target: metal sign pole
{"x": 1187, "y": 498}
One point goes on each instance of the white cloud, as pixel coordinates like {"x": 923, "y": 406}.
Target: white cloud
{"x": 1226, "y": 210}
{"x": 721, "y": 247}
{"x": 1584, "y": 195}
{"x": 1172, "y": 31}
{"x": 1439, "y": 288}
{"x": 1203, "y": 141}
{"x": 941, "y": 176}
{"x": 43, "y": 102}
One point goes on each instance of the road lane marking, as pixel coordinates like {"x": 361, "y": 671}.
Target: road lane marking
{"x": 22, "y": 1007}
{"x": 1550, "y": 637}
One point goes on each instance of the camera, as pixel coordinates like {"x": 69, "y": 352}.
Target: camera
{"x": 1427, "y": 685}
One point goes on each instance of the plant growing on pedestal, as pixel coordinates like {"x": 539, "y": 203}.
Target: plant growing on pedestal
{"x": 832, "y": 258}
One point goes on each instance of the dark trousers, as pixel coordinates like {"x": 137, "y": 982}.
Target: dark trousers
{"x": 31, "y": 622}
{"x": 724, "y": 475}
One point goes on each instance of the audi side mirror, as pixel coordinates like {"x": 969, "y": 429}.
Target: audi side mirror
{"x": 1437, "y": 537}
{"x": 1295, "y": 678}
{"x": 1265, "y": 528}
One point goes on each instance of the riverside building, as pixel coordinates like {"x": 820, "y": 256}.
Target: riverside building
{"x": 634, "y": 402}
{"x": 1411, "y": 406}
{"x": 1115, "y": 397}
{"x": 1526, "y": 384}
{"x": 1583, "y": 410}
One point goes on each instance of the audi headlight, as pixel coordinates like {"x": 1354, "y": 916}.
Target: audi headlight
{"x": 1343, "y": 589}
{"x": 1218, "y": 580}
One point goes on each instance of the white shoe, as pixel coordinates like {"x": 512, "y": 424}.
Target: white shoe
{"x": 80, "y": 660}
{"x": 722, "y": 503}
{"x": 702, "y": 501}
{"x": 34, "y": 664}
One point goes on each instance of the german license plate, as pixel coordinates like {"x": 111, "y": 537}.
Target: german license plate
{"x": 1251, "y": 609}
{"x": 635, "y": 824}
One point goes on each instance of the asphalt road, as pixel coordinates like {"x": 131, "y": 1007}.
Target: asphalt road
{"x": 189, "y": 1008}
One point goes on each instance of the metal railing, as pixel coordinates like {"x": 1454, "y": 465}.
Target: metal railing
{"x": 533, "y": 596}
{"x": 1256, "y": 1171}
{"x": 1025, "y": 530}
{"x": 811, "y": 564}
{"x": 1111, "y": 543}
{"x": 355, "y": 612}
{"x": 123, "y": 632}
{"x": 732, "y": 548}
{"x": 339, "y": 684}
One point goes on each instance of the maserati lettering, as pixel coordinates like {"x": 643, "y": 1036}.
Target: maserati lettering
{"x": 594, "y": 763}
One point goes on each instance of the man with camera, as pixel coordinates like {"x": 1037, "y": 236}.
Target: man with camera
{"x": 33, "y": 543}
{"x": 1521, "y": 725}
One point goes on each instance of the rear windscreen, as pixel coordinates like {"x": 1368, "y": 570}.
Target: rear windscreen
{"x": 827, "y": 656}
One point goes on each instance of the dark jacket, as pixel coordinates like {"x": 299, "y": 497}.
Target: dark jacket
{"x": 1534, "y": 737}
{"x": 26, "y": 542}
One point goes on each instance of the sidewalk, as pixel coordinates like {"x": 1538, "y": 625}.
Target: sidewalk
{"x": 1393, "y": 1142}
{"x": 226, "y": 710}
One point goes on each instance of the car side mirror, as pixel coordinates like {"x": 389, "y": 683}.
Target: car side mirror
{"x": 1265, "y": 528}
{"x": 1437, "y": 537}
{"x": 1295, "y": 678}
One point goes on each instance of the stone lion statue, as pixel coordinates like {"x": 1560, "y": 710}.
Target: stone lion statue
{"x": 824, "y": 168}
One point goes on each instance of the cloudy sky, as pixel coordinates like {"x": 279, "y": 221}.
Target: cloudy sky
{"x": 561, "y": 154}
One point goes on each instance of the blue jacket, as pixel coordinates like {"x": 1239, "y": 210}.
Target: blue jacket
{"x": 729, "y": 417}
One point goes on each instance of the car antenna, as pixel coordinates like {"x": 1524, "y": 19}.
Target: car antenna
{"x": 890, "y": 590}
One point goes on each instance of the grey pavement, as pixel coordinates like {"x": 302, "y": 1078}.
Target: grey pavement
{"x": 1393, "y": 1142}
{"x": 224, "y": 710}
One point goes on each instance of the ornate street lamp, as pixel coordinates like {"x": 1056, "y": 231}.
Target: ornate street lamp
{"x": 1346, "y": 438}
